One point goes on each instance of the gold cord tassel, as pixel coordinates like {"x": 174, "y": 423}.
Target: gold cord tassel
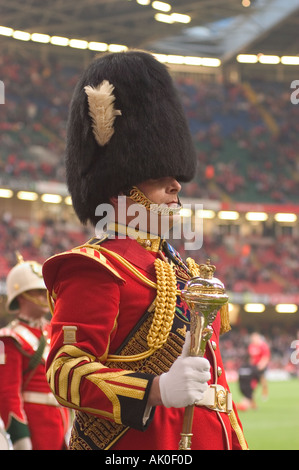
{"x": 193, "y": 267}
{"x": 224, "y": 315}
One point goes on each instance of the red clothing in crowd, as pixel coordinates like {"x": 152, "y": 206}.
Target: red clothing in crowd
{"x": 27, "y": 405}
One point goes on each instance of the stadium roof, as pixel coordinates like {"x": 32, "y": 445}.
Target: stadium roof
{"x": 268, "y": 26}
{"x": 218, "y": 28}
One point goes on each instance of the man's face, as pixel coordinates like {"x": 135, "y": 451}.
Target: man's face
{"x": 161, "y": 191}
{"x": 33, "y": 303}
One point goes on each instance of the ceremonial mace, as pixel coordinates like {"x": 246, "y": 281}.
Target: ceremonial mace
{"x": 204, "y": 295}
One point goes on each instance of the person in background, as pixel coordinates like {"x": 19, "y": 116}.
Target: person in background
{"x": 260, "y": 355}
{"x": 252, "y": 373}
{"x": 32, "y": 417}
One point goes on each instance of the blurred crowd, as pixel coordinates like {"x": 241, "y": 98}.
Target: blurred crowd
{"x": 242, "y": 155}
{"x": 32, "y": 121}
{"x": 280, "y": 340}
{"x": 35, "y": 240}
{"x": 247, "y": 143}
{"x": 246, "y": 148}
{"x": 262, "y": 265}
{"x": 257, "y": 265}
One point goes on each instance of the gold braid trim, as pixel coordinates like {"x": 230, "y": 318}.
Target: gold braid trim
{"x": 50, "y": 302}
{"x": 92, "y": 432}
{"x": 237, "y": 428}
{"x": 193, "y": 267}
{"x": 225, "y": 325}
{"x": 224, "y": 313}
{"x": 137, "y": 196}
{"x": 165, "y": 305}
{"x": 128, "y": 265}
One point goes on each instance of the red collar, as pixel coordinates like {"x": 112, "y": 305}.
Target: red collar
{"x": 130, "y": 249}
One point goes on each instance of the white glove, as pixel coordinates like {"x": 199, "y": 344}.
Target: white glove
{"x": 186, "y": 381}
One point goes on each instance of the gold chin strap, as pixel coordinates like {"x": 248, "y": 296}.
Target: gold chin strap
{"x": 35, "y": 300}
{"x": 137, "y": 196}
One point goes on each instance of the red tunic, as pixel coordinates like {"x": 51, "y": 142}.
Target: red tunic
{"x": 22, "y": 386}
{"x": 101, "y": 300}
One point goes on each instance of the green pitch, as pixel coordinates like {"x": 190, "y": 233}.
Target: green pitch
{"x": 274, "y": 425}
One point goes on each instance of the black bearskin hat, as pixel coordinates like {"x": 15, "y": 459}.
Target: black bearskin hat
{"x": 149, "y": 135}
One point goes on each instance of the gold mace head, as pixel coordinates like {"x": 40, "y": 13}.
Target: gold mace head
{"x": 207, "y": 270}
{"x": 204, "y": 295}
{"x": 205, "y": 289}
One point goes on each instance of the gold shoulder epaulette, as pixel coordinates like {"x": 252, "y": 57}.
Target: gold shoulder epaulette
{"x": 93, "y": 252}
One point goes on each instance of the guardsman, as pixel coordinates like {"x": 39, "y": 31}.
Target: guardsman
{"x": 120, "y": 346}
{"x": 32, "y": 417}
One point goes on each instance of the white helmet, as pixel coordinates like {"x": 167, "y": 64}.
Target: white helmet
{"x": 26, "y": 275}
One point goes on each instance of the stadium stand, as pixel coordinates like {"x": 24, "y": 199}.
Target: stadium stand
{"x": 246, "y": 135}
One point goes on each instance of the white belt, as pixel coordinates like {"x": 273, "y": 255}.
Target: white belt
{"x": 217, "y": 398}
{"x": 40, "y": 398}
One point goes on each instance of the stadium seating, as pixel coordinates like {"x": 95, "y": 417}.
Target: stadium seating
{"x": 246, "y": 136}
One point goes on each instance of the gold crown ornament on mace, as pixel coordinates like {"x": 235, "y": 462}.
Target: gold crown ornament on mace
{"x": 204, "y": 295}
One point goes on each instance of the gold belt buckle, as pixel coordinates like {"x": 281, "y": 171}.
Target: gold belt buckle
{"x": 221, "y": 399}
